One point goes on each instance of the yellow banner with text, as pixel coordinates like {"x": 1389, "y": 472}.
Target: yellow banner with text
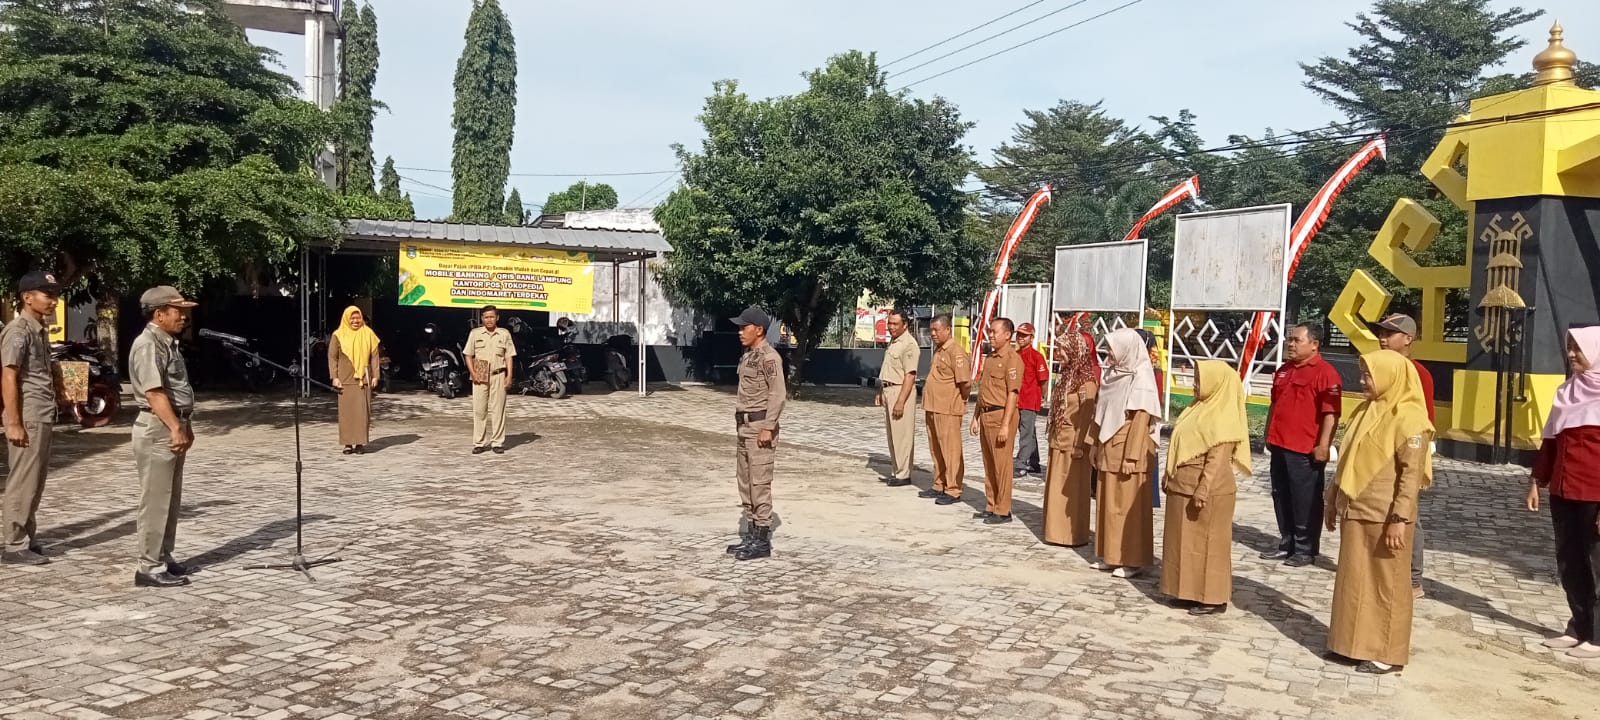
{"x": 446, "y": 274}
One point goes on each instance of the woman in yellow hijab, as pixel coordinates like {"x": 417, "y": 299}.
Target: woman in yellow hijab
{"x": 353, "y": 365}
{"x": 1210, "y": 442}
{"x": 1383, "y": 462}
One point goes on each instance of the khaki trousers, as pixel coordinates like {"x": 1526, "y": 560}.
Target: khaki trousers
{"x": 24, "y": 487}
{"x": 997, "y": 460}
{"x": 489, "y": 412}
{"x": 902, "y": 434}
{"x": 161, "y": 491}
{"x": 944, "y": 444}
{"x": 753, "y": 465}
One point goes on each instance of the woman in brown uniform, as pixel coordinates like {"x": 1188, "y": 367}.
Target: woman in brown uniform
{"x": 1383, "y": 461}
{"x": 1066, "y": 492}
{"x": 353, "y": 364}
{"x": 1210, "y": 442}
{"x": 1125, "y": 417}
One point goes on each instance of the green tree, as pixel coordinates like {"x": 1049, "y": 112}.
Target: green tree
{"x": 581, "y": 196}
{"x": 485, "y": 115}
{"x": 358, "y": 69}
{"x": 516, "y": 211}
{"x": 389, "y": 181}
{"x": 146, "y": 141}
{"x": 798, "y": 203}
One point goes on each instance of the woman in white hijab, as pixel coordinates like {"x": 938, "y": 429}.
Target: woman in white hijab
{"x": 1125, "y": 451}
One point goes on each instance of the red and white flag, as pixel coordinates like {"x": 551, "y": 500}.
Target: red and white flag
{"x": 1002, "y": 270}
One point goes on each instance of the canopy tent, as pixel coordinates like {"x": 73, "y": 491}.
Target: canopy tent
{"x": 384, "y": 237}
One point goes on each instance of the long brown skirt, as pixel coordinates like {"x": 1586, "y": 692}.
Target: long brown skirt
{"x": 1125, "y": 520}
{"x": 1371, "y": 596}
{"x": 355, "y": 413}
{"x": 1066, "y": 499}
{"x": 1197, "y": 550}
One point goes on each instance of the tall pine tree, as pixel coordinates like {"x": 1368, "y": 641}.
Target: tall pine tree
{"x": 516, "y": 212}
{"x": 485, "y": 115}
{"x": 389, "y": 183}
{"x": 358, "y": 63}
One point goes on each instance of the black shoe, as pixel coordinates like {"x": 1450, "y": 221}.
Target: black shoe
{"x": 499, "y": 451}
{"x": 1018, "y": 474}
{"x": 478, "y": 450}
{"x": 1371, "y": 668}
{"x": 177, "y": 570}
{"x": 898, "y": 482}
{"x": 24, "y": 557}
{"x": 1208, "y": 609}
{"x": 159, "y": 579}
{"x": 744, "y": 539}
{"x": 361, "y": 449}
{"x": 1275, "y": 555}
{"x": 760, "y": 545}
{"x": 1295, "y": 561}
{"x": 929, "y": 494}
{"x": 946, "y": 500}
{"x": 1181, "y": 604}
{"x": 997, "y": 520}
{"x": 349, "y": 450}
{"x": 985, "y": 515}
{"x": 1036, "y": 472}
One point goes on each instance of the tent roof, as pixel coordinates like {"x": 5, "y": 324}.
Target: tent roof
{"x": 382, "y": 235}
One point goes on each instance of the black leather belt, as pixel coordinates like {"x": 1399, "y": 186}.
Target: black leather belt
{"x": 745, "y": 418}
{"x": 989, "y": 408}
{"x": 182, "y": 414}
{"x": 501, "y": 371}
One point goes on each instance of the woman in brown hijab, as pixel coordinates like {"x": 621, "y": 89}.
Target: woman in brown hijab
{"x": 1067, "y": 491}
{"x": 353, "y": 365}
{"x": 1125, "y": 420}
{"x": 1210, "y": 442}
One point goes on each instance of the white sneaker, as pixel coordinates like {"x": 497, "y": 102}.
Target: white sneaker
{"x": 1565, "y": 642}
{"x": 1126, "y": 572}
{"x": 1586, "y": 651}
{"x": 1100, "y": 565}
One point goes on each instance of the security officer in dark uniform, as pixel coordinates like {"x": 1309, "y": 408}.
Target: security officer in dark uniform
{"x": 759, "y": 405}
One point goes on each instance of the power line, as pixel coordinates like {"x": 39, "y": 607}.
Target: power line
{"x": 961, "y": 34}
{"x": 1002, "y": 33}
{"x": 556, "y": 175}
{"x": 1024, "y": 43}
{"x": 651, "y": 190}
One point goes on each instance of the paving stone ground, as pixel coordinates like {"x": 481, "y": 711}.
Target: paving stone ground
{"x": 582, "y": 575}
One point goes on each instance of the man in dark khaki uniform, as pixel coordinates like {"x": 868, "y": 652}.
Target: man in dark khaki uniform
{"x": 944, "y": 400}
{"x": 760, "y": 404}
{"x": 897, "y": 388}
{"x": 29, "y": 394}
{"x": 490, "y": 359}
{"x": 162, "y": 433}
{"x": 995, "y": 420}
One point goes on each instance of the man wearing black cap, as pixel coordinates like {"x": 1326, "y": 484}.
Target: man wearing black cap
{"x": 755, "y": 414}
{"x": 28, "y": 391}
{"x": 1397, "y": 332}
{"x": 161, "y": 434}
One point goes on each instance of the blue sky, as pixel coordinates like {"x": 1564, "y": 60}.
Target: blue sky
{"x": 607, "y": 86}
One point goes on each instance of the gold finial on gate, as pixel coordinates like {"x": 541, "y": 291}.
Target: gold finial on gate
{"x": 1556, "y": 62}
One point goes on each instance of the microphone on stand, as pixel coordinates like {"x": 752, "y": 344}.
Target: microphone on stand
{"x": 210, "y": 334}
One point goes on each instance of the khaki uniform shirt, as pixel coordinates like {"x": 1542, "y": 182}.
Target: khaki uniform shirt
{"x": 493, "y": 348}
{"x": 902, "y": 356}
{"x": 24, "y": 345}
{"x": 1205, "y": 476}
{"x": 1002, "y": 377}
{"x": 761, "y": 385}
{"x": 154, "y": 362}
{"x": 942, "y": 393}
{"x": 1394, "y": 491}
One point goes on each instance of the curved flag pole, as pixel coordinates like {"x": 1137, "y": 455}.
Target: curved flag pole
{"x": 1300, "y": 236}
{"x": 1002, "y": 270}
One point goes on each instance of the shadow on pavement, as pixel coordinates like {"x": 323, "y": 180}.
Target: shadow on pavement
{"x": 264, "y": 537}
{"x": 1282, "y": 612}
{"x": 120, "y": 530}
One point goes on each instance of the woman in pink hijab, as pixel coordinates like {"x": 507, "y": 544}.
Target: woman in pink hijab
{"x": 1569, "y": 465}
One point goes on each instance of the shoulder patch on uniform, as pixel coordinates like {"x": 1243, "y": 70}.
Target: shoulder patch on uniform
{"x": 1012, "y": 374}
{"x": 1415, "y": 442}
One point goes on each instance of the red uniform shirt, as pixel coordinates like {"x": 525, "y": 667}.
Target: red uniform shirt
{"x": 1035, "y": 374}
{"x": 1427, "y": 386}
{"x": 1570, "y": 464}
{"x": 1301, "y": 396}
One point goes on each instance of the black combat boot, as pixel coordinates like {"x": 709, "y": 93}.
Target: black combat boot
{"x": 746, "y": 532}
{"x": 760, "y": 545}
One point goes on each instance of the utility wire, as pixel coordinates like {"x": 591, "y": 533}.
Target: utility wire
{"x": 652, "y": 189}
{"x": 1024, "y": 43}
{"x": 556, "y": 175}
{"x": 1002, "y": 33}
{"x": 961, "y": 34}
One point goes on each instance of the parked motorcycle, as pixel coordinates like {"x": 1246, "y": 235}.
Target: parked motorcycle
{"x": 442, "y": 370}
{"x": 105, "y": 387}
{"x": 385, "y": 370}
{"x": 544, "y": 374}
{"x": 253, "y": 375}
{"x": 618, "y": 375}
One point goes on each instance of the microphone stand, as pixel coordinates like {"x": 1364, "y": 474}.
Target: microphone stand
{"x": 298, "y": 560}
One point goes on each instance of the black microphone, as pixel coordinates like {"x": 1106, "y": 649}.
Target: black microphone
{"x": 210, "y": 334}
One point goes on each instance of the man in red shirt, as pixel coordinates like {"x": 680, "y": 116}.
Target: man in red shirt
{"x": 1035, "y": 375}
{"x": 1397, "y": 332}
{"x": 1306, "y": 402}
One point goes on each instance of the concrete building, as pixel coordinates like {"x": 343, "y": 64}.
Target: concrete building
{"x": 318, "y": 21}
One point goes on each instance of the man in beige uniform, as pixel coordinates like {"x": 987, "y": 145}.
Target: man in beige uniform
{"x": 162, "y": 434}
{"x": 755, "y": 415}
{"x": 897, "y": 388}
{"x": 29, "y": 394}
{"x": 944, "y": 400}
{"x": 490, "y": 356}
{"x": 995, "y": 420}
